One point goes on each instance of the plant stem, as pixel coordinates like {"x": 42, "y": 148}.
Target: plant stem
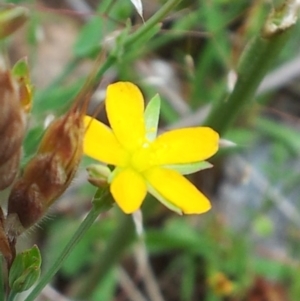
{"x": 156, "y": 18}
{"x": 138, "y": 34}
{"x": 12, "y": 296}
{"x": 103, "y": 203}
{"x": 254, "y": 64}
{"x": 124, "y": 234}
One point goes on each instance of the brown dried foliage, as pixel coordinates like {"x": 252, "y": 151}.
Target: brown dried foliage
{"x": 12, "y": 129}
{"x": 48, "y": 174}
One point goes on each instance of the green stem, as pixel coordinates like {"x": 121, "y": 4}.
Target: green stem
{"x": 156, "y": 18}
{"x": 255, "y": 63}
{"x": 103, "y": 203}
{"x": 12, "y": 296}
{"x": 124, "y": 234}
{"x": 111, "y": 59}
{"x": 138, "y": 34}
{"x": 128, "y": 43}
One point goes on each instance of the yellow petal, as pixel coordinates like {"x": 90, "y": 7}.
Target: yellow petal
{"x": 185, "y": 145}
{"x": 129, "y": 190}
{"x": 101, "y": 144}
{"x": 125, "y": 111}
{"x": 177, "y": 190}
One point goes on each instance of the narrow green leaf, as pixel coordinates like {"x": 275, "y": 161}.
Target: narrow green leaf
{"x": 25, "y": 270}
{"x": 282, "y": 134}
{"x": 188, "y": 277}
{"x": 106, "y": 289}
{"x": 89, "y": 39}
{"x": 21, "y": 69}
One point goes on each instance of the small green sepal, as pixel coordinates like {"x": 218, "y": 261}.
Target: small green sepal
{"x": 189, "y": 168}
{"x": 152, "y": 117}
{"x": 103, "y": 200}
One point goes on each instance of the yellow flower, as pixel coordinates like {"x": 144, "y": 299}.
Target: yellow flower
{"x": 221, "y": 284}
{"x": 143, "y": 161}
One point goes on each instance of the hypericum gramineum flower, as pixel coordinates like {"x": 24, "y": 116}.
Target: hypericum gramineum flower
{"x": 143, "y": 161}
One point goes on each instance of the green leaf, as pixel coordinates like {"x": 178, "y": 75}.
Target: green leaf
{"x": 282, "y": 134}
{"x": 21, "y": 69}
{"x": 142, "y": 46}
{"x": 177, "y": 234}
{"x": 21, "y": 73}
{"x": 56, "y": 99}
{"x": 25, "y": 270}
{"x": 94, "y": 33}
{"x": 89, "y": 39}
{"x": 189, "y": 168}
{"x": 152, "y": 117}
{"x": 270, "y": 268}
{"x": 242, "y": 137}
{"x": 106, "y": 288}
{"x": 189, "y": 277}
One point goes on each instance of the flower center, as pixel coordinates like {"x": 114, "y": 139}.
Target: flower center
{"x": 141, "y": 158}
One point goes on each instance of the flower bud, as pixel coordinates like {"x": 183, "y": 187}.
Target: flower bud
{"x": 48, "y": 174}
{"x": 11, "y": 18}
{"x": 98, "y": 175}
{"x": 12, "y": 128}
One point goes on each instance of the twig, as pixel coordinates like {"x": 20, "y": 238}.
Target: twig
{"x": 142, "y": 260}
{"x": 146, "y": 272}
{"x": 128, "y": 286}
